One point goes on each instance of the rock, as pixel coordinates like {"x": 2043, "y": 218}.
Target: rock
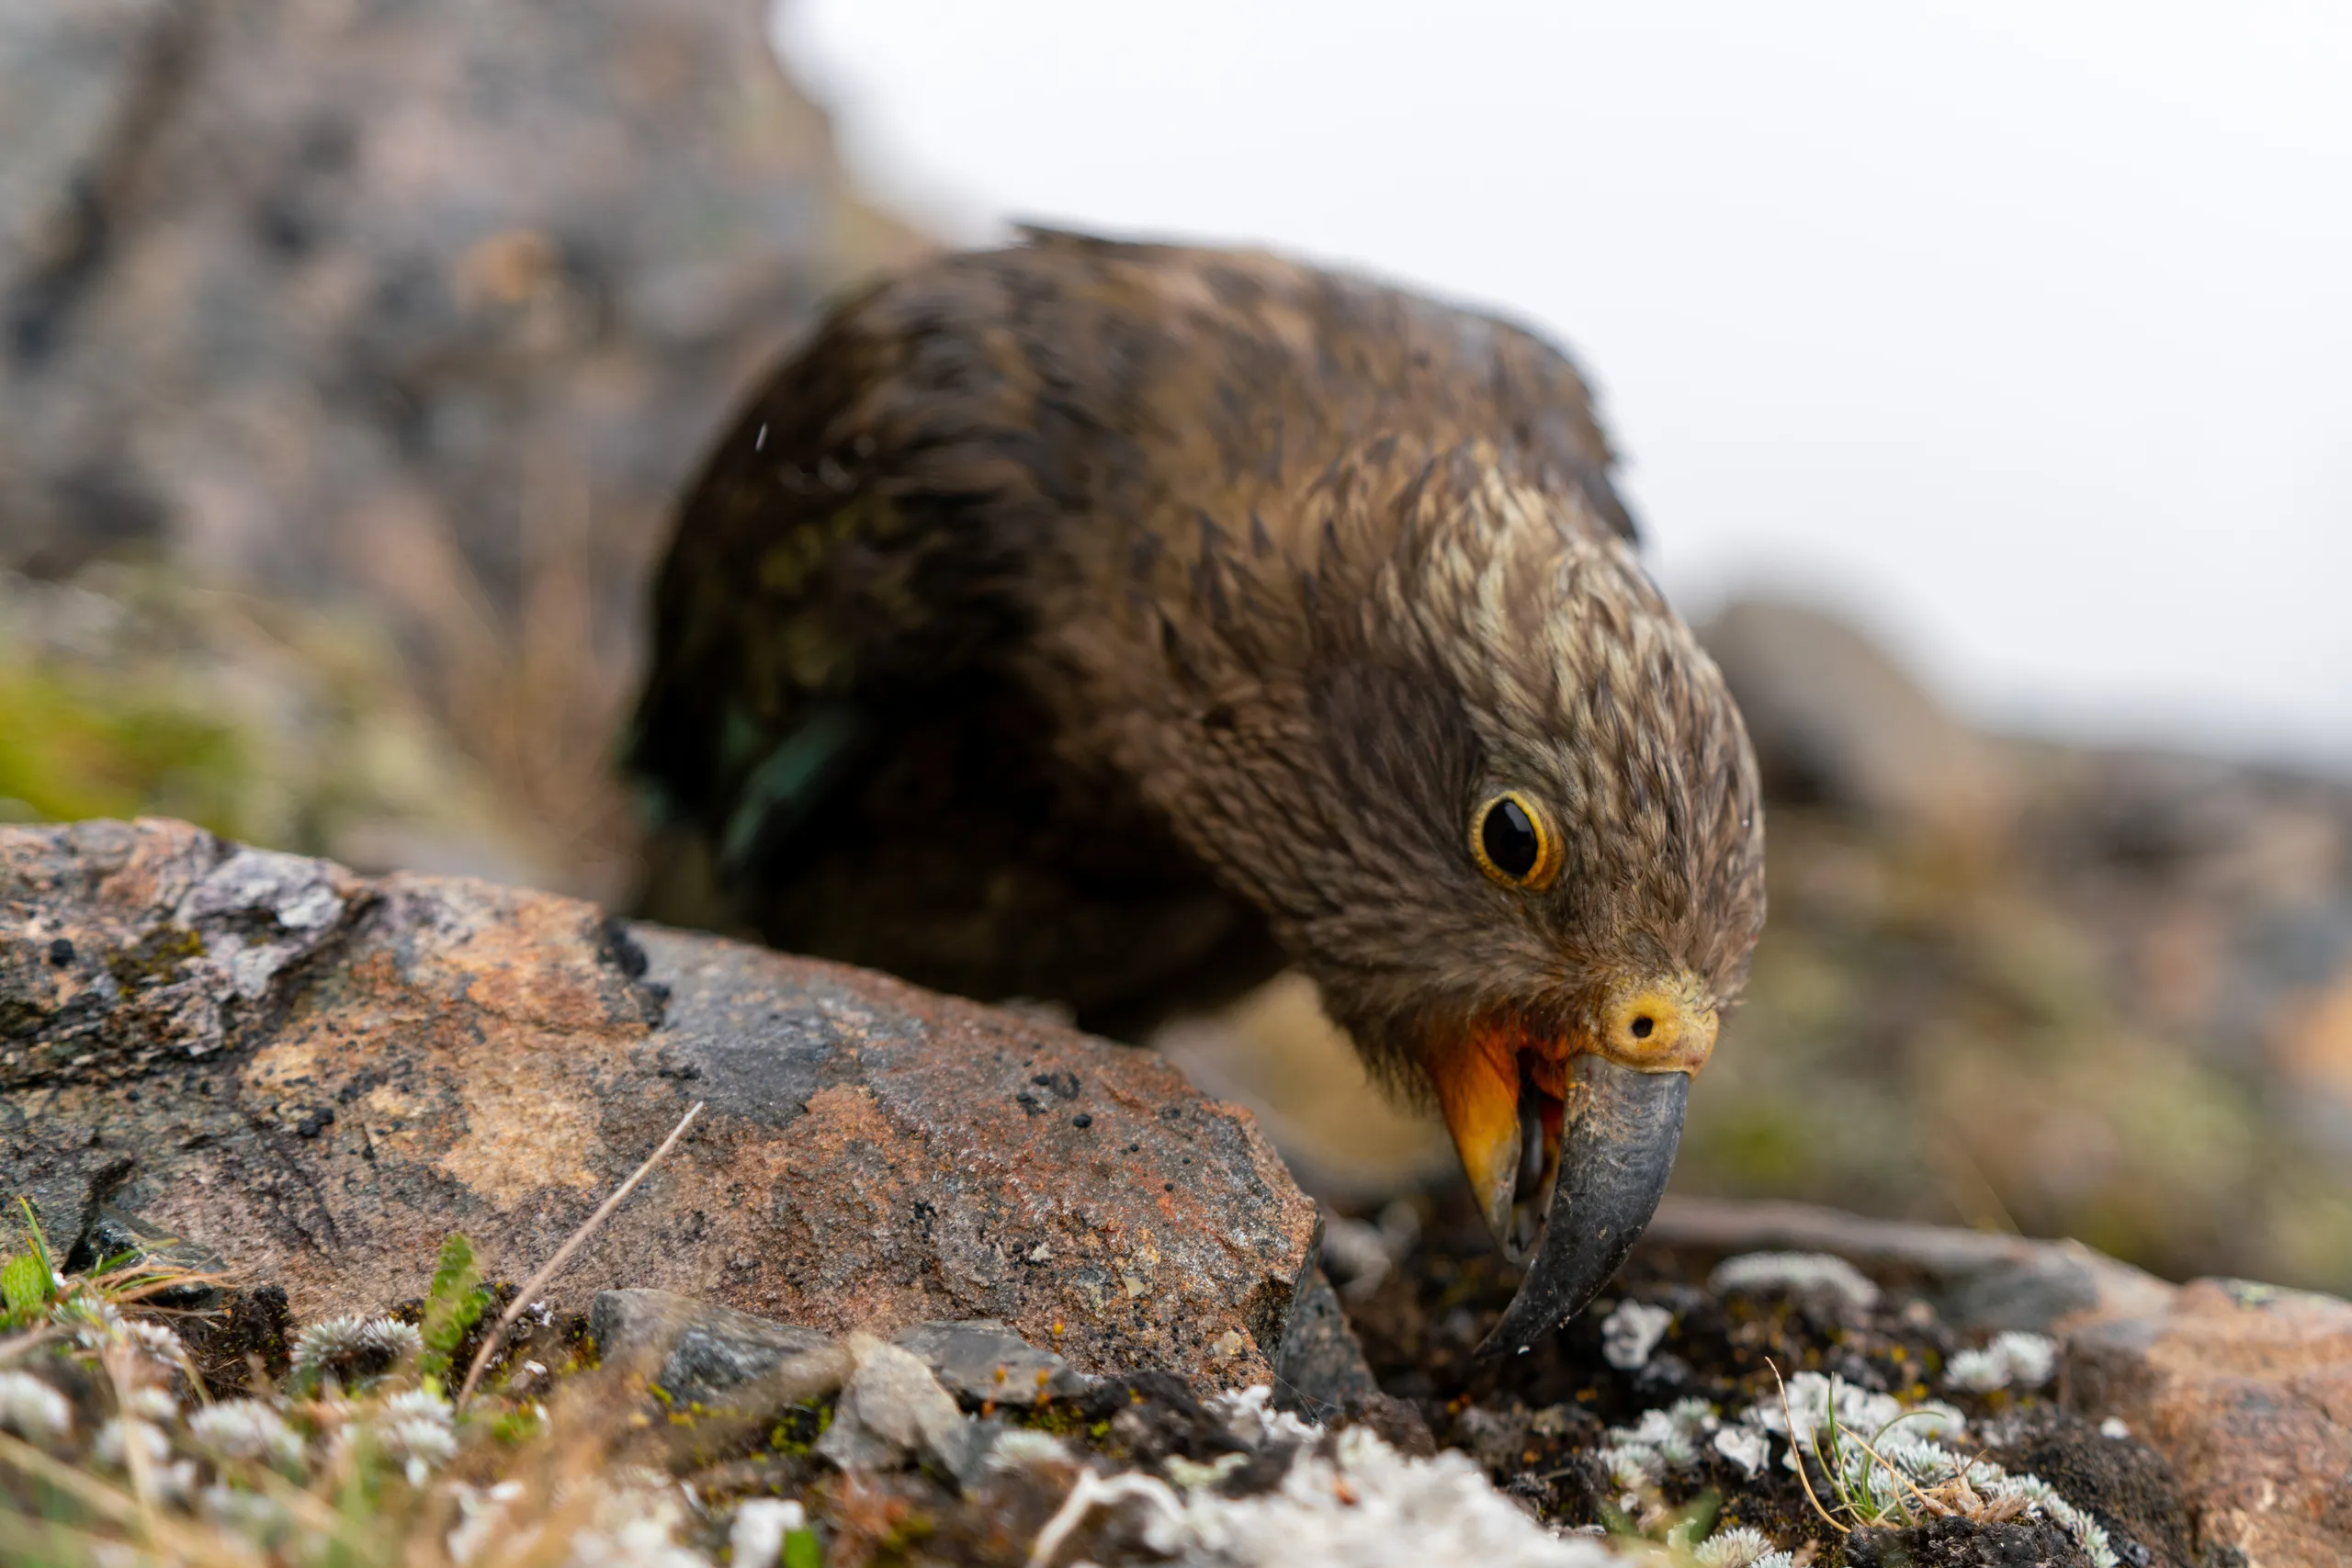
{"x": 1322, "y": 1367}
{"x": 417, "y": 1055}
{"x": 287, "y": 293}
{"x": 893, "y": 1412}
{"x": 2121, "y": 1482}
{"x": 700, "y": 1353}
{"x": 984, "y": 1361}
{"x": 1837, "y": 720}
{"x": 415, "y": 314}
{"x": 1273, "y": 1051}
{"x": 1957, "y": 1544}
{"x": 113, "y": 1239}
{"x": 1977, "y": 1279}
{"x": 125, "y": 960}
{"x": 2247, "y": 1391}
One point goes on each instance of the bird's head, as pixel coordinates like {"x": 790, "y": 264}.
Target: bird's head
{"x": 1517, "y": 842}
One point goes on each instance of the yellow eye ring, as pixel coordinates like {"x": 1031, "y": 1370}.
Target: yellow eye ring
{"x": 1515, "y": 843}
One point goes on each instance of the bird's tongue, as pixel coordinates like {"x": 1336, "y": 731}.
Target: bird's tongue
{"x": 1541, "y": 1114}
{"x": 1612, "y": 1169}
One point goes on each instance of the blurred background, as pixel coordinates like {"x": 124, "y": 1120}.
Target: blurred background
{"x": 1978, "y": 370}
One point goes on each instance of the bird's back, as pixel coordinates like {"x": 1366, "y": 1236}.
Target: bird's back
{"x": 1065, "y": 430}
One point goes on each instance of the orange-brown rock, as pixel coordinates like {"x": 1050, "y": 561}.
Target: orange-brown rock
{"x": 320, "y": 1076}
{"x": 2247, "y": 1390}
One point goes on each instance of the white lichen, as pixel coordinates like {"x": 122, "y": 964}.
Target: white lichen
{"x": 119, "y": 1437}
{"x": 1879, "y": 1456}
{"x": 32, "y": 1409}
{"x": 634, "y": 1527}
{"x": 2015, "y": 1360}
{"x": 1630, "y": 1333}
{"x": 1191, "y": 1476}
{"x": 1348, "y": 1500}
{"x": 482, "y": 1514}
{"x": 1661, "y": 1441}
{"x": 1739, "y": 1548}
{"x": 352, "y": 1348}
{"x": 1746, "y": 1446}
{"x": 150, "y": 1402}
{"x": 258, "y": 1518}
{"x": 247, "y": 1430}
{"x": 101, "y": 1323}
{"x": 1250, "y": 1416}
{"x": 1362, "y": 1505}
{"x": 416, "y": 1430}
{"x": 1800, "y": 1273}
{"x": 756, "y": 1537}
{"x": 1022, "y": 1449}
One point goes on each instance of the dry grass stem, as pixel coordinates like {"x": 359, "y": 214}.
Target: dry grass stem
{"x": 548, "y": 1269}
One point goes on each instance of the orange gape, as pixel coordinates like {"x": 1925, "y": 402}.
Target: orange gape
{"x": 1477, "y": 1090}
{"x": 1652, "y": 1026}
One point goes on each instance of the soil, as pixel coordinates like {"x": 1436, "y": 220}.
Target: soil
{"x": 1534, "y": 1423}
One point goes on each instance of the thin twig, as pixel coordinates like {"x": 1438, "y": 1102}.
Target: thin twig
{"x": 1796, "y": 1451}
{"x": 548, "y": 1269}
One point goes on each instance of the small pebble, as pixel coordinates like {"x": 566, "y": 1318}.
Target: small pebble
{"x": 1082, "y": 1120}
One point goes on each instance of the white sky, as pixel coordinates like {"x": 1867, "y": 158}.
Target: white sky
{"x": 2021, "y": 328}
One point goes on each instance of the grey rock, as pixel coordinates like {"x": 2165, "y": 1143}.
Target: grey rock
{"x": 116, "y": 1237}
{"x": 1976, "y": 1279}
{"x": 982, "y": 1360}
{"x": 893, "y": 1412}
{"x": 1833, "y": 717}
{"x": 1322, "y": 1372}
{"x": 708, "y": 1354}
{"x": 140, "y": 948}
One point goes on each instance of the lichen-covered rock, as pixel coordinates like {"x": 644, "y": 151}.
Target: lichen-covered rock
{"x": 699, "y": 1352}
{"x": 984, "y": 1361}
{"x": 133, "y": 949}
{"x": 2247, "y": 1390}
{"x": 361, "y": 1067}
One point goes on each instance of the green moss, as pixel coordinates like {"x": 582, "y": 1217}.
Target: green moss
{"x": 85, "y": 746}
{"x": 157, "y": 958}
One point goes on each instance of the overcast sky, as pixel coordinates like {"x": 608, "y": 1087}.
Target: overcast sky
{"x": 2022, "y": 330}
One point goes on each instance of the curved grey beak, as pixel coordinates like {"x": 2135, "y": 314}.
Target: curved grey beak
{"x": 1615, "y": 1161}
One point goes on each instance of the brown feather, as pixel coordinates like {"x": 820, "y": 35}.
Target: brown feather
{"x": 1111, "y": 622}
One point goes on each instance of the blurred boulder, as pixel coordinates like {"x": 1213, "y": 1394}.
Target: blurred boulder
{"x": 1835, "y": 720}
{"x": 421, "y": 309}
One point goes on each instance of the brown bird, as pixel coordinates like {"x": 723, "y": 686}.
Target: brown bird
{"x": 1115, "y": 623}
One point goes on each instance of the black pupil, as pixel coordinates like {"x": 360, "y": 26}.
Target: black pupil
{"x": 1642, "y": 1027}
{"x": 1509, "y": 838}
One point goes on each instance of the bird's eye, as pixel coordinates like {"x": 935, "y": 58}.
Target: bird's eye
{"x": 1514, "y": 843}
